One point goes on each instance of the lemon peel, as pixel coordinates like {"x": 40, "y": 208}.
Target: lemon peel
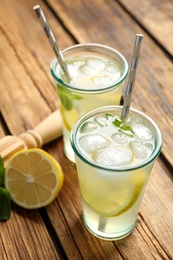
{"x": 33, "y": 178}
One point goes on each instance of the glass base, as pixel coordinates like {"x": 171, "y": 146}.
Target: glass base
{"x": 109, "y": 236}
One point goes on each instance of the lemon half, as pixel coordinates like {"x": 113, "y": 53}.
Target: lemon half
{"x": 34, "y": 178}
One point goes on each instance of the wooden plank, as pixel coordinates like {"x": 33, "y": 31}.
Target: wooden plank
{"x": 20, "y": 95}
{"x": 29, "y": 74}
{"x": 107, "y": 23}
{"x": 158, "y": 205}
{"x": 25, "y": 236}
{"x": 22, "y": 105}
{"x": 156, "y": 17}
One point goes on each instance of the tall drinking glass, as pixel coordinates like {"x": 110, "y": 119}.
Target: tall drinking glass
{"x": 114, "y": 160}
{"x": 98, "y": 73}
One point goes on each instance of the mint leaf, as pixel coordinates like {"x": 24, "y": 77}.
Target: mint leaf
{"x": 117, "y": 122}
{"x": 128, "y": 130}
{"x": 107, "y": 115}
{"x": 66, "y": 97}
{"x": 5, "y": 197}
{"x": 5, "y": 207}
{"x": 2, "y": 172}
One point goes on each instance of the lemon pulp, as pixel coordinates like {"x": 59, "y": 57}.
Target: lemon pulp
{"x": 34, "y": 178}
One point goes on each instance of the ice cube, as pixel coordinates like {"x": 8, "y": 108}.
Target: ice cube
{"x": 119, "y": 138}
{"x": 93, "y": 142}
{"x": 141, "y": 150}
{"x": 87, "y": 70}
{"x": 142, "y": 132}
{"x": 112, "y": 69}
{"x": 97, "y": 64}
{"x": 72, "y": 70}
{"x": 113, "y": 156}
{"x": 102, "y": 80}
{"x": 101, "y": 120}
{"x": 134, "y": 121}
{"x": 88, "y": 126}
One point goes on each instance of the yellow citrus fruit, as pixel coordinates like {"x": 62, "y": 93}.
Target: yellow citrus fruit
{"x": 69, "y": 117}
{"x": 136, "y": 185}
{"x": 117, "y": 198}
{"x": 34, "y": 178}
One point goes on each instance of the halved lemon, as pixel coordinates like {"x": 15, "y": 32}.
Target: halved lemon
{"x": 34, "y": 178}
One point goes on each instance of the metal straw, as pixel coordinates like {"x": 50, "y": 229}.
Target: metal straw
{"x": 52, "y": 40}
{"x": 131, "y": 79}
{"x": 127, "y": 100}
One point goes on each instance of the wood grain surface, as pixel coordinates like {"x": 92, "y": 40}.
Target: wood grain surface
{"x": 27, "y": 96}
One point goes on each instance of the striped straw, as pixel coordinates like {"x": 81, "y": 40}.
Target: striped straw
{"x": 131, "y": 79}
{"x": 52, "y": 41}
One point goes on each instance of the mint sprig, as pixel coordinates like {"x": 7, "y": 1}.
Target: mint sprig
{"x": 66, "y": 97}
{"x": 118, "y": 122}
{"x": 5, "y": 198}
{"x": 5, "y": 206}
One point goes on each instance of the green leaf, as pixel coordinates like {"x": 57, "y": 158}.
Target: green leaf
{"x": 128, "y": 130}
{"x": 117, "y": 122}
{"x": 66, "y": 97}
{"x": 5, "y": 207}
{"x": 2, "y": 172}
{"x": 107, "y": 115}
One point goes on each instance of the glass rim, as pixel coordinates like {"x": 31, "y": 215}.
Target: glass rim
{"x": 88, "y": 47}
{"x": 96, "y": 111}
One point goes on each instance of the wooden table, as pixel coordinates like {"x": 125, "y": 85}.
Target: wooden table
{"x": 27, "y": 96}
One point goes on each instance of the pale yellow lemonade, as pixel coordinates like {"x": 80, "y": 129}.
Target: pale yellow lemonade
{"x": 113, "y": 169}
{"x": 96, "y": 81}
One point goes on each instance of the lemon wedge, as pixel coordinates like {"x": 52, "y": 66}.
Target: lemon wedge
{"x": 69, "y": 117}
{"x": 118, "y": 197}
{"x": 137, "y": 182}
{"x": 34, "y": 178}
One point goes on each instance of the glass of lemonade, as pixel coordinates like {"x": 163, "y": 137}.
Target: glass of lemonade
{"x": 114, "y": 159}
{"x": 98, "y": 73}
